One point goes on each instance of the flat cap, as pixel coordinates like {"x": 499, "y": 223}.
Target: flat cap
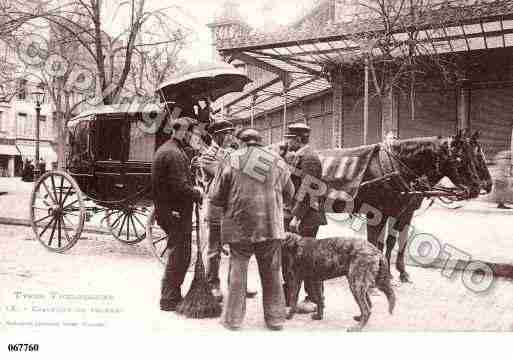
{"x": 221, "y": 126}
{"x": 297, "y": 129}
{"x": 182, "y": 123}
{"x": 250, "y": 136}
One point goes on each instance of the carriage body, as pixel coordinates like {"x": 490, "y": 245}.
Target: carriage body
{"x": 110, "y": 153}
{"x": 107, "y": 179}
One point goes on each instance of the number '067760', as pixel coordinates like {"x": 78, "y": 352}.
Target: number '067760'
{"x": 23, "y": 347}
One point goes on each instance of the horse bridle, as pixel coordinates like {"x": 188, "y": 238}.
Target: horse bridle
{"x": 422, "y": 186}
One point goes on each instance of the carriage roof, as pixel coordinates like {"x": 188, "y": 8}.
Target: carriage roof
{"x": 110, "y": 110}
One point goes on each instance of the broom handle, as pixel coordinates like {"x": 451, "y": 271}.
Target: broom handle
{"x": 198, "y": 244}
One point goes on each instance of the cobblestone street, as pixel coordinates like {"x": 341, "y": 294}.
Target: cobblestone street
{"x": 42, "y": 290}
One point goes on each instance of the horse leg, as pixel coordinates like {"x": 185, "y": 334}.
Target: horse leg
{"x": 391, "y": 240}
{"x": 403, "y": 241}
{"x": 375, "y": 234}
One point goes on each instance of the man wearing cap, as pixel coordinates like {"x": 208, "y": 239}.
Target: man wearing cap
{"x": 251, "y": 187}
{"x": 209, "y": 162}
{"x": 174, "y": 194}
{"x": 305, "y": 216}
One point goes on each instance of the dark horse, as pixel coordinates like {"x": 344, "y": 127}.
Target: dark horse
{"x": 419, "y": 164}
{"x": 416, "y": 165}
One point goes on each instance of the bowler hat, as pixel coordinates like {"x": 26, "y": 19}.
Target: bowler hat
{"x": 297, "y": 129}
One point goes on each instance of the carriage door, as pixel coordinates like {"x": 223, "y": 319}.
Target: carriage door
{"x": 111, "y": 149}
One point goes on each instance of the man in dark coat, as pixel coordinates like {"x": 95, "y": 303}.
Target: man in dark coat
{"x": 174, "y": 194}
{"x": 305, "y": 216}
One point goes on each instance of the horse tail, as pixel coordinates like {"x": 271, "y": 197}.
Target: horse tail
{"x": 383, "y": 283}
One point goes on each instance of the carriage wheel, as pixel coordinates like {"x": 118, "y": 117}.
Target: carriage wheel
{"x": 127, "y": 225}
{"x": 157, "y": 240}
{"x": 57, "y": 211}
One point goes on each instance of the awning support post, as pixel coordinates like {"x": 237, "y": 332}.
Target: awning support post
{"x": 366, "y": 103}
{"x": 253, "y": 101}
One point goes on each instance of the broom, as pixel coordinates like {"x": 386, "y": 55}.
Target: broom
{"x": 199, "y": 301}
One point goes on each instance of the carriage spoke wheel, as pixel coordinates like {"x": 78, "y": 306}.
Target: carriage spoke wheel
{"x": 157, "y": 238}
{"x": 57, "y": 211}
{"x": 158, "y": 241}
{"x": 127, "y": 225}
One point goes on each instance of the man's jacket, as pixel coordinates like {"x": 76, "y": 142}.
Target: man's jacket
{"x": 172, "y": 182}
{"x": 251, "y": 187}
{"x": 306, "y": 162}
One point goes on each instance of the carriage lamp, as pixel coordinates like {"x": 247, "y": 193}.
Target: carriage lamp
{"x": 39, "y": 97}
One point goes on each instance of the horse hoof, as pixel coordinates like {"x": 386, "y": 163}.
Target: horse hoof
{"x": 357, "y": 318}
{"x": 316, "y": 316}
{"x": 405, "y": 277}
{"x": 356, "y": 328}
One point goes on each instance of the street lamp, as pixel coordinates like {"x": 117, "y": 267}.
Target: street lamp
{"x": 39, "y": 96}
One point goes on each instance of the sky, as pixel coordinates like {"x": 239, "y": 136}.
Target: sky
{"x": 196, "y": 14}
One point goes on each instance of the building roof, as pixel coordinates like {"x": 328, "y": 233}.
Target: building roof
{"x": 131, "y": 108}
{"x": 301, "y": 53}
{"x": 303, "y": 31}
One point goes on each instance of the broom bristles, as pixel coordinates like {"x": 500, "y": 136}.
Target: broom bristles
{"x": 199, "y": 302}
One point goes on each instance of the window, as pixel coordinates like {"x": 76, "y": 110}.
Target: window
{"x": 23, "y": 126}
{"x": 22, "y": 89}
{"x": 142, "y": 143}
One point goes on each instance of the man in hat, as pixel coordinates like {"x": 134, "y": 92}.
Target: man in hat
{"x": 209, "y": 162}
{"x": 174, "y": 194}
{"x": 222, "y": 144}
{"x": 251, "y": 188}
{"x": 305, "y": 216}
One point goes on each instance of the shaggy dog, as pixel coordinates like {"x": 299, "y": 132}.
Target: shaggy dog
{"x": 321, "y": 259}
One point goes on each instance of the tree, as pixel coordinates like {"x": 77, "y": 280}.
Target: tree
{"x": 82, "y": 64}
{"x": 393, "y": 44}
{"x": 15, "y": 16}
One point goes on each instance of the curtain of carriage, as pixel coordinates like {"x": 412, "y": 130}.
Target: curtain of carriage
{"x": 142, "y": 143}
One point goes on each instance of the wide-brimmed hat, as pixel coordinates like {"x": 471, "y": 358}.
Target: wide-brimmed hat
{"x": 221, "y": 126}
{"x": 297, "y": 129}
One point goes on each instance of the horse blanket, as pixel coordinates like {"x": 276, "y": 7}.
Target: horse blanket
{"x": 343, "y": 168}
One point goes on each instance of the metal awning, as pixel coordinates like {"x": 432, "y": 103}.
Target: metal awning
{"x": 8, "y": 150}
{"x": 298, "y": 56}
{"x": 46, "y": 152}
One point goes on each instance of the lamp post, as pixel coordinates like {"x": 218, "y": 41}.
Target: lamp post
{"x": 39, "y": 97}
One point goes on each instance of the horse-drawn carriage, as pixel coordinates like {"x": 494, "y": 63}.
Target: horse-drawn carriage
{"x": 108, "y": 168}
{"x": 108, "y": 171}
